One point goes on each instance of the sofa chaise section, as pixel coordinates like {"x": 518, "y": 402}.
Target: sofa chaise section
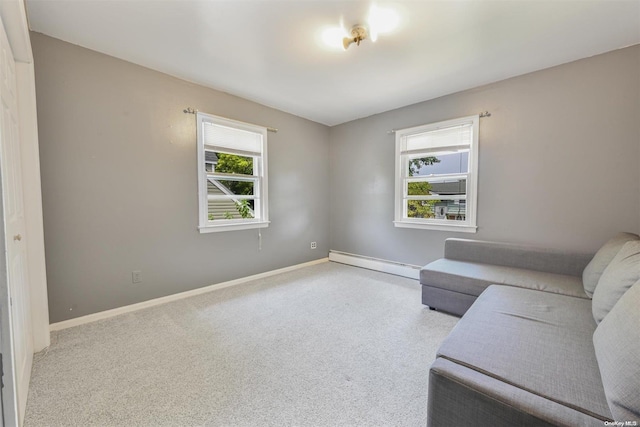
{"x": 517, "y": 356}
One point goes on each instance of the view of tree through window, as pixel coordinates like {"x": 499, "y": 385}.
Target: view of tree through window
{"x": 442, "y": 177}
{"x": 436, "y": 175}
{"x": 232, "y": 167}
{"x": 225, "y": 163}
{"x": 241, "y": 165}
{"x": 420, "y": 208}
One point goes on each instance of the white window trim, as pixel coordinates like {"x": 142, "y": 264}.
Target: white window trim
{"x": 468, "y": 226}
{"x": 206, "y": 226}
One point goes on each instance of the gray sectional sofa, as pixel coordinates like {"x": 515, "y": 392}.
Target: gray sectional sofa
{"x": 547, "y": 338}
{"x": 453, "y": 283}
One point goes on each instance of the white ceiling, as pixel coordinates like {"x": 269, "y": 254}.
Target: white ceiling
{"x": 269, "y": 51}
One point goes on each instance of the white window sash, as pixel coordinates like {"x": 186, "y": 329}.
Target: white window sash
{"x": 231, "y": 197}
{"x": 232, "y": 177}
{"x": 436, "y": 178}
{"x": 227, "y": 150}
{"x": 444, "y": 197}
{"x": 404, "y": 155}
{"x": 416, "y": 154}
{"x": 256, "y": 147}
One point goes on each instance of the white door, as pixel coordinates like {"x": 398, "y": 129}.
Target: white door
{"x": 14, "y": 227}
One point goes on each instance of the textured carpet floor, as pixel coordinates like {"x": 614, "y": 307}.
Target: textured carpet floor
{"x": 327, "y": 345}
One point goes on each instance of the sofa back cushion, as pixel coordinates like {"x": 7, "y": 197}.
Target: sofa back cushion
{"x": 617, "y": 345}
{"x": 595, "y": 268}
{"x": 621, "y": 273}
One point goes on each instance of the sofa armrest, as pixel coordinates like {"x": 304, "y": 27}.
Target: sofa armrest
{"x": 518, "y": 256}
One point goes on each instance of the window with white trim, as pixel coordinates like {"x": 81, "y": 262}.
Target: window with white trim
{"x": 437, "y": 176}
{"x": 232, "y": 174}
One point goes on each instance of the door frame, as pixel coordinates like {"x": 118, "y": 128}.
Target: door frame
{"x": 9, "y": 393}
{"x": 14, "y": 17}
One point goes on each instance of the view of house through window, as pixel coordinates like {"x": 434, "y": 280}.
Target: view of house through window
{"x": 235, "y": 205}
{"x": 232, "y": 171}
{"x": 436, "y": 175}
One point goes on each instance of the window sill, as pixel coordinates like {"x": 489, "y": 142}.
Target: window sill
{"x": 440, "y": 227}
{"x": 233, "y": 227}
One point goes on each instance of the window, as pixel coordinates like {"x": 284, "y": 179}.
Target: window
{"x": 232, "y": 174}
{"x": 437, "y": 176}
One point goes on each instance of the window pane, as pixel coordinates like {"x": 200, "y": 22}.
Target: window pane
{"x": 440, "y": 164}
{"x": 232, "y": 178}
{"x": 230, "y": 187}
{"x": 452, "y": 210}
{"x": 228, "y": 163}
{"x": 227, "y": 207}
{"x": 449, "y": 187}
{"x": 220, "y": 209}
{"x": 419, "y": 189}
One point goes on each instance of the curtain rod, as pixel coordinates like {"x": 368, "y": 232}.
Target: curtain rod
{"x": 481, "y": 115}
{"x": 190, "y": 110}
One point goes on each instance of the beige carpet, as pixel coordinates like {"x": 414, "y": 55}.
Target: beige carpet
{"x": 327, "y": 345}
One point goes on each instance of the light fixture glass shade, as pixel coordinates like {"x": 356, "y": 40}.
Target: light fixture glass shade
{"x": 381, "y": 20}
{"x": 334, "y": 36}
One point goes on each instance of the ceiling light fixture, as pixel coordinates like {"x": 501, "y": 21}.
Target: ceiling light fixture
{"x": 358, "y": 33}
{"x": 379, "y": 21}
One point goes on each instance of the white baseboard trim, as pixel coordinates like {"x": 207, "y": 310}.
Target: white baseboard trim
{"x": 175, "y": 297}
{"x": 399, "y": 269}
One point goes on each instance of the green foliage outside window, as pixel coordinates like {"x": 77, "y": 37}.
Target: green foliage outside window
{"x": 416, "y": 164}
{"x": 420, "y": 208}
{"x": 244, "y": 209}
{"x": 239, "y": 165}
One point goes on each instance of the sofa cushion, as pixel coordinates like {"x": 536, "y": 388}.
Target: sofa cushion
{"x": 617, "y": 345}
{"x": 621, "y": 273}
{"x": 536, "y": 341}
{"x": 472, "y": 278}
{"x": 593, "y": 271}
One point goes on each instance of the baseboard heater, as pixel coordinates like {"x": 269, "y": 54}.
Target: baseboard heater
{"x": 392, "y": 267}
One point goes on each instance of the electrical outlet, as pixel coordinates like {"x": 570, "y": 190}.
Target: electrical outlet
{"x": 136, "y": 276}
{"x": 313, "y": 245}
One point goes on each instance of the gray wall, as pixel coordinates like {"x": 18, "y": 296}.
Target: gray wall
{"x": 559, "y": 166}
{"x": 118, "y": 159}
{"x": 559, "y": 162}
